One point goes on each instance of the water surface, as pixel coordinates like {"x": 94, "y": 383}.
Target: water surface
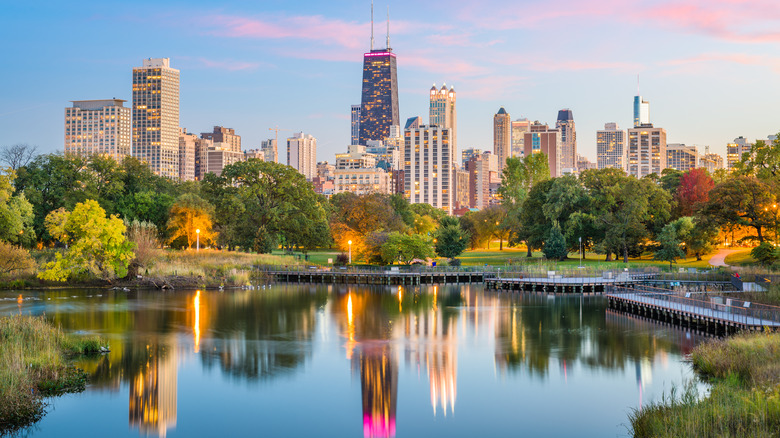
{"x": 351, "y": 361}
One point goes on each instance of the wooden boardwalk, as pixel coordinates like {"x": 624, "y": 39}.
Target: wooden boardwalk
{"x": 388, "y": 277}
{"x": 713, "y": 316}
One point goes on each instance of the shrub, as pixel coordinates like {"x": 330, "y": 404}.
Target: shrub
{"x": 341, "y": 260}
{"x": 14, "y": 260}
{"x": 766, "y": 253}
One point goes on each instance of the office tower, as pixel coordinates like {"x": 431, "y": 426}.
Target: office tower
{"x": 461, "y": 180}
{"x": 201, "y": 163}
{"x": 542, "y": 139}
{"x": 428, "y": 166}
{"x": 611, "y": 147}
{"x": 270, "y": 152}
{"x": 302, "y": 154}
{"x": 156, "y": 116}
{"x": 98, "y": 127}
{"x": 254, "y": 154}
{"x": 641, "y": 111}
{"x": 646, "y": 151}
{"x": 519, "y": 128}
{"x": 565, "y": 124}
{"x": 735, "y": 151}
{"x": 379, "y": 97}
{"x": 502, "y": 137}
{"x": 219, "y": 155}
{"x": 442, "y": 112}
{"x": 681, "y": 157}
{"x": 355, "y": 124}
{"x": 478, "y": 168}
{"x": 711, "y": 162}
{"x": 187, "y": 152}
{"x": 224, "y": 135}
{"x": 468, "y": 153}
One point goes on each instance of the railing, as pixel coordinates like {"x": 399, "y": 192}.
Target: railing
{"x": 744, "y": 312}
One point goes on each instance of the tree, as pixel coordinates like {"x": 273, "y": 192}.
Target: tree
{"x": 697, "y": 235}
{"x": 693, "y": 191}
{"x": 96, "y": 244}
{"x": 670, "y": 180}
{"x": 555, "y": 245}
{"x": 535, "y": 226}
{"x": 356, "y": 217}
{"x": 189, "y": 214}
{"x": 766, "y": 253}
{"x": 16, "y": 214}
{"x": 17, "y": 155}
{"x": 743, "y": 201}
{"x": 518, "y": 177}
{"x": 405, "y": 248}
{"x": 14, "y": 260}
{"x": 490, "y": 224}
{"x": 763, "y": 161}
{"x": 669, "y": 249}
{"x": 450, "y": 240}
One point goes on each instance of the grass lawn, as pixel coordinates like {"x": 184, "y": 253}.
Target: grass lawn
{"x": 741, "y": 258}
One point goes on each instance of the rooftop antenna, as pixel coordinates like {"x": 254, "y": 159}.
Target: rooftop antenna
{"x": 372, "y": 24}
{"x": 388, "y": 27}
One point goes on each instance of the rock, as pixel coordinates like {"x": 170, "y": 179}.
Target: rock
{"x": 104, "y": 349}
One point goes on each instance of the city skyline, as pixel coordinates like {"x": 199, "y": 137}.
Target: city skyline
{"x": 301, "y": 64}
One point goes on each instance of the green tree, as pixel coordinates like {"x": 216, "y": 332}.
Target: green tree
{"x": 16, "y": 215}
{"x": 765, "y": 253}
{"x": 743, "y": 201}
{"x": 698, "y": 236}
{"x": 763, "y": 161}
{"x": 669, "y": 249}
{"x": 490, "y": 224}
{"x": 450, "y": 240}
{"x": 405, "y": 248}
{"x": 555, "y": 245}
{"x": 191, "y": 216}
{"x": 535, "y": 226}
{"x": 96, "y": 244}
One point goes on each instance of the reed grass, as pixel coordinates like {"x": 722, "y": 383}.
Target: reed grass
{"x": 744, "y": 400}
{"x": 33, "y": 365}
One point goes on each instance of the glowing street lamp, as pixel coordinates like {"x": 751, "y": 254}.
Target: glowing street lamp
{"x": 350, "y": 252}
{"x": 197, "y": 233}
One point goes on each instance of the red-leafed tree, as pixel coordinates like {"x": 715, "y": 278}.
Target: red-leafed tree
{"x": 694, "y": 190}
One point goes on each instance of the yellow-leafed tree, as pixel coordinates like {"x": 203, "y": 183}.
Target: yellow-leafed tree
{"x": 189, "y": 214}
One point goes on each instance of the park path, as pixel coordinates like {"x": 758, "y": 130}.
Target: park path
{"x": 719, "y": 259}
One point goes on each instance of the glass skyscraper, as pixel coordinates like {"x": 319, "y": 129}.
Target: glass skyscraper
{"x": 379, "y": 100}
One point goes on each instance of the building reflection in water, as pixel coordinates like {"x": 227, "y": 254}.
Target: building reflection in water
{"x": 379, "y": 388}
{"x": 153, "y": 392}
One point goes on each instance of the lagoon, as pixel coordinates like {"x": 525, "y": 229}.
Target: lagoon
{"x": 352, "y": 361}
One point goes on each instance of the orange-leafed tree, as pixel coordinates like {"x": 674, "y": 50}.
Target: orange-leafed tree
{"x": 693, "y": 191}
{"x": 189, "y": 214}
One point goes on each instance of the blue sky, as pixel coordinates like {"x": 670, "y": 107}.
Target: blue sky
{"x": 709, "y": 68}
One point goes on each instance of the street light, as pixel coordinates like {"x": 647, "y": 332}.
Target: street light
{"x": 350, "y": 252}
{"x": 197, "y": 233}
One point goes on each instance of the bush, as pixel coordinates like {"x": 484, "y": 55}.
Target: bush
{"x": 341, "y": 260}
{"x": 455, "y": 262}
{"x": 14, "y": 260}
{"x": 766, "y": 253}
{"x": 555, "y": 245}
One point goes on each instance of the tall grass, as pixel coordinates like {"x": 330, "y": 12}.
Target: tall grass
{"x": 744, "y": 400}
{"x": 33, "y": 364}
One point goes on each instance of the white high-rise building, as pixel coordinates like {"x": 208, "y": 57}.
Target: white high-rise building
{"x": 156, "y": 116}
{"x": 646, "y": 151}
{"x": 302, "y": 154}
{"x": 641, "y": 111}
{"x": 611, "y": 147}
{"x": 734, "y": 151}
{"x": 428, "y": 167}
{"x": 565, "y": 124}
{"x": 270, "y": 152}
{"x": 98, "y": 127}
{"x": 519, "y": 128}
{"x": 443, "y": 112}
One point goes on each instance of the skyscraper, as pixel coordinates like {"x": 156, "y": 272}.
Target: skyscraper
{"x": 443, "y": 112}
{"x": 646, "y": 151}
{"x": 98, "y": 127}
{"x": 611, "y": 147}
{"x": 302, "y": 154}
{"x": 542, "y": 139}
{"x": 519, "y": 128}
{"x": 641, "y": 111}
{"x": 565, "y": 124}
{"x": 428, "y": 166}
{"x": 379, "y": 99}
{"x": 355, "y": 124}
{"x": 187, "y": 150}
{"x": 156, "y": 116}
{"x": 502, "y": 137}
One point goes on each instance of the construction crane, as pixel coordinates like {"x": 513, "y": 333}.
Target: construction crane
{"x": 276, "y": 140}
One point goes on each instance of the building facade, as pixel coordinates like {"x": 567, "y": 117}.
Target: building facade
{"x": 428, "y": 166}
{"x": 711, "y": 162}
{"x": 461, "y": 180}
{"x": 681, "y": 157}
{"x": 270, "y": 151}
{"x": 542, "y": 139}
{"x": 354, "y": 124}
{"x": 98, "y": 127}
{"x": 219, "y": 155}
{"x": 502, "y": 137}
{"x": 641, "y": 112}
{"x": 187, "y": 152}
{"x": 646, "y": 151}
{"x": 254, "y": 154}
{"x": 443, "y": 112}
{"x": 478, "y": 168}
{"x": 735, "y": 151}
{"x": 519, "y": 128}
{"x": 611, "y": 147}
{"x": 565, "y": 124}
{"x": 156, "y": 116}
{"x": 224, "y": 135}
{"x": 379, "y": 98}
{"x": 302, "y": 154}
{"x": 362, "y": 181}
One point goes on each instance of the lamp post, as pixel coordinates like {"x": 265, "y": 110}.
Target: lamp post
{"x": 197, "y": 246}
{"x": 580, "y": 251}
{"x": 350, "y": 252}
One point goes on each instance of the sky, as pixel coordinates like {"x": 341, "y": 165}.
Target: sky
{"x": 709, "y": 68}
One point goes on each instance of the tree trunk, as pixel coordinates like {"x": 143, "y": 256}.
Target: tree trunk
{"x": 530, "y": 252}
{"x": 625, "y": 253}
{"x": 501, "y": 244}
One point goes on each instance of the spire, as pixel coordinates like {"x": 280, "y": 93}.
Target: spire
{"x": 388, "y": 27}
{"x": 372, "y": 24}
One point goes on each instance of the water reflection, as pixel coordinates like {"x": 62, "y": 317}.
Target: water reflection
{"x": 256, "y": 337}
